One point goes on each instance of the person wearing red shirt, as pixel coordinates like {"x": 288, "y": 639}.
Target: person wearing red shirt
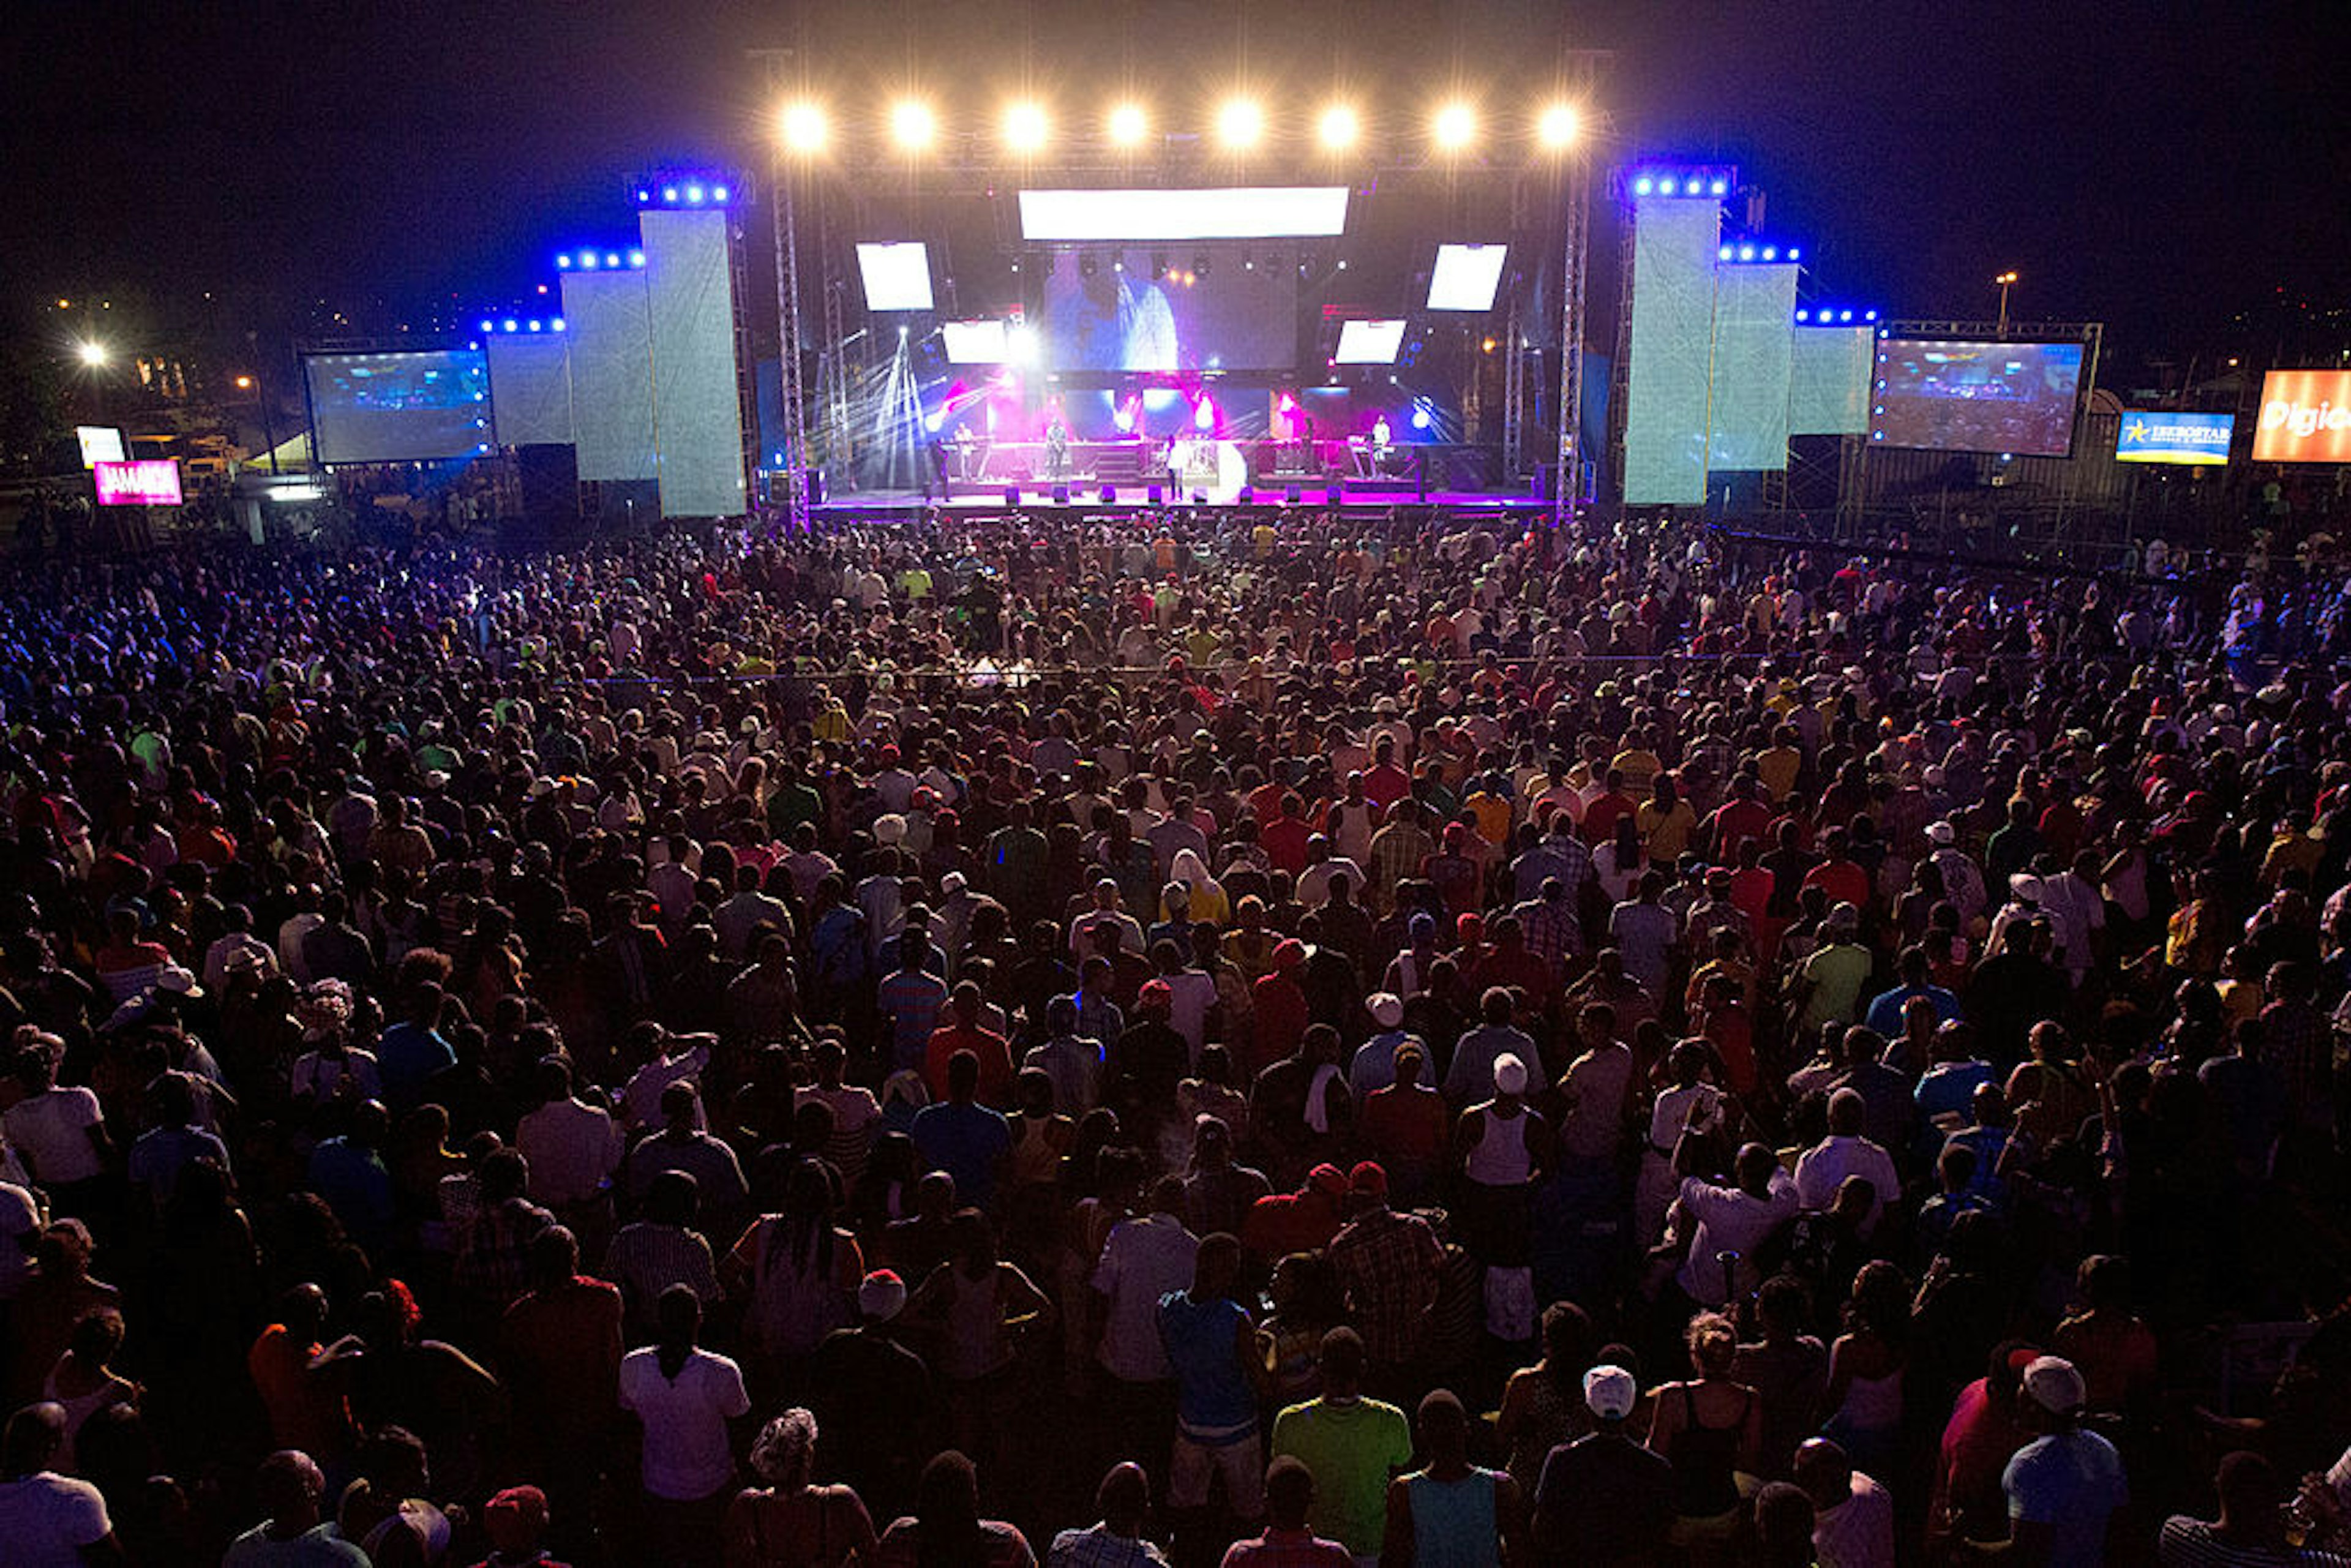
{"x": 1280, "y": 1006}
{"x": 967, "y": 1033}
{"x": 1385, "y": 784}
{"x": 1302, "y": 1221}
{"x": 560, "y": 1354}
{"x": 1840, "y": 875}
{"x": 1600, "y": 815}
{"x": 1739, "y": 819}
{"x": 1285, "y": 839}
{"x": 1508, "y": 963}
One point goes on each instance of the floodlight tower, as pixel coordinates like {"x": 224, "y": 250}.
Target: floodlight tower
{"x": 1566, "y": 130}
{"x": 798, "y": 136}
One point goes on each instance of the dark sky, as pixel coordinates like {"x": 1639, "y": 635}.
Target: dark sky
{"x": 2158, "y": 167}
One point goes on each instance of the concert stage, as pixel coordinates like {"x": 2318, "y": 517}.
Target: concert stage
{"x": 909, "y": 505}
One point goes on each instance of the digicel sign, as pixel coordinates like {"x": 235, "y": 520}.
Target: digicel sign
{"x": 2306, "y": 417}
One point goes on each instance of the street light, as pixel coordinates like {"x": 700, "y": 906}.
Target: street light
{"x": 2004, "y": 280}
{"x": 245, "y": 383}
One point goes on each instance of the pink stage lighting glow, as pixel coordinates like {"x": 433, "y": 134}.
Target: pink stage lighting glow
{"x": 1204, "y": 414}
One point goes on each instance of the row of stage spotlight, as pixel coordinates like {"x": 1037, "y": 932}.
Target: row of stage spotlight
{"x": 1238, "y": 125}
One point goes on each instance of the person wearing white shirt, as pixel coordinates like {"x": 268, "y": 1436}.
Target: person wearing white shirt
{"x": 1144, "y": 1258}
{"x": 1733, "y": 1220}
{"x": 46, "y": 1520}
{"x": 670, "y": 1058}
{"x": 572, "y": 1148}
{"x": 1823, "y": 1168}
{"x": 1852, "y": 1516}
{"x": 1105, "y": 912}
{"x": 685, "y": 1396}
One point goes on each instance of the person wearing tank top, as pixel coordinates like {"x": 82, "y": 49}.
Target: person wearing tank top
{"x": 1709, "y": 1429}
{"x": 1500, "y": 1148}
{"x": 1451, "y": 1513}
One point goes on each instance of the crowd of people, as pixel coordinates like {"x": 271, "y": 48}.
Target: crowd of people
{"x": 1184, "y": 1039}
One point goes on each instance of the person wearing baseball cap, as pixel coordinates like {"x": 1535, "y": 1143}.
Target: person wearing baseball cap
{"x": 2064, "y": 1487}
{"x": 1391, "y": 1265}
{"x": 1604, "y": 1499}
{"x": 516, "y": 1522}
{"x": 871, "y": 1396}
{"x": 1502, "y": 1146}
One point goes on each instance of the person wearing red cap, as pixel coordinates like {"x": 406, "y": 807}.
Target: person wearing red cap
{"x": 516, "y": 1522}
{"x": 1300, "y": 1221}
{"x": 1279, "y": 1005}
{"x": 1391, "y": 1264}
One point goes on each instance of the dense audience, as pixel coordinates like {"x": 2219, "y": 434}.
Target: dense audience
{"x": 1187, "y": 1040}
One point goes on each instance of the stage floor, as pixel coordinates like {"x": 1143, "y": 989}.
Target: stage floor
{"x": 902, "y": 506}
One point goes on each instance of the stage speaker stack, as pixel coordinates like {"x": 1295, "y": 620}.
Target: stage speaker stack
{"x": 548, "y": 473}
{"x": 1292, "y": 496}
{"x": 1061, "y": 495}
{"x": 1110, "y": 495}
{"x": 1157, "y": 494}
{"x": 1012, "y": 495}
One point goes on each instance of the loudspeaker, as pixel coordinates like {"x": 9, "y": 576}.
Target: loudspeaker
{"x": 1292, "y": 496}
{"x": 812, "y": 486}
{"x": 1333, "y": 484}
{"x": 1061, "y": 495}
{"x": 1012, "y": 495}
{"x": 1110, "y": 495}
{"x": 1157, "y": 494}
{"x": 1248, "y": 497}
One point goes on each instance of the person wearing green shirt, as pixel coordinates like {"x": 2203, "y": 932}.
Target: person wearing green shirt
{"x": 1354, "y": 1445}
{"x": 1836, "y": 975}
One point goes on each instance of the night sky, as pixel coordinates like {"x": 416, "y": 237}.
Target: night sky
{"x": 2156, "y": 167}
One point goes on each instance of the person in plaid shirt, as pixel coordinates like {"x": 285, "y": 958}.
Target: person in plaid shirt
{"x": 1548, "y": 924}
{"x": 1286, "y": 1542}
{"x": 1115, "y": 1540}
{"x": 1390, "y": 1265}
{"x": 1396, "y": 853}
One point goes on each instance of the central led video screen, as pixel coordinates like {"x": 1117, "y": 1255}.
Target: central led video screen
{"x": 1143, "y": 318}
{"x": 399, "y": 407}
{"x": 1961, "y": 396}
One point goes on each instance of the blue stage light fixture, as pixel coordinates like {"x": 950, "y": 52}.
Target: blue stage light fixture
{"x": 1722, "y": 255}
{"x": 643, "y": 196}
{"x": 556, "y": 325}
{"x": 1419, "y": 417}
{"x": 1666, "y": 187}
{"x": 1746, "y": 252}
{"x": 694, "y": 195}
{"x": 718, "y": 193}
{"x": 489, "y": 327}
{"x": 612, "y": 258}
{"x": 563, "y": 261}
{"x": 535, "y": 324}
{"x": 1720, "y": 188}
{"x": 1845, "y": 315}
{"x": 1770, "y": 253}
{"x": 669, "y": 194}
{"x": 1793, "y": 254}
{"x": 1869, "y": 315}
{"x": 1644, "y": 185}
{"x": 636, "y": 258}
{"x": 587, "y": 259}
{"x": 507, "y": 325}
{"x": 1803, "y": 315}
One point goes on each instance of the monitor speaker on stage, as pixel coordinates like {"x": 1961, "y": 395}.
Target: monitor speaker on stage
{"x": 812, "y": 486}
{"x": 1248, "y": 497}
{"x": 1293, "y": 496}
{"x": 1061, "y": 495}
{"x": 1012, "y": 495}
{"x": 1110, "y": 495}
{"x": 1157, "y": 494}
{"x": 1334, "y": 483}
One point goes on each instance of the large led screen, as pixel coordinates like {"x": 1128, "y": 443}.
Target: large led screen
{"x": 897, "y": 276}
{"x": 1369, "y": 342}
{"x": 1466, "y": 276}
{"x": 1248, "y": 212}
{"x": 1957, "y": 396}
{"x": 1101, "y": 317}
{"x": 416, "y": 407}
{"x": 2306, "y": 417}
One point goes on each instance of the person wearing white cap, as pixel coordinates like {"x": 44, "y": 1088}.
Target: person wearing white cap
{"x": 1501, "y": 1148}
{"x": 1605, "y": 1499}
{"x": 1374, "y": 1067}
{"x": 2065, "y": 1488}
{"x": 1963, "y": 884}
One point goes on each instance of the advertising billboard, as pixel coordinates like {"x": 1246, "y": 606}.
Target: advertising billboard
{"x": 2149, "y": 435}
{"x": 2306, "y": 417}
{"x": 147, "y": 482}
{"x": 1965, "y": 396}
{"x": 100, "y": 444}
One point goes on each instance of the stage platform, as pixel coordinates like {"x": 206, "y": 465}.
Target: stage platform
{"x": 1072, "y": 500}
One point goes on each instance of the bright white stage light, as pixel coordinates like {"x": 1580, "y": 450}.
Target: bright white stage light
{"x": 912, "y": 125}
{"x": 1128, "y": 124}
{"x": 1239, "y": 123}
{"x": 1559, "y": 126}
{"x": 1338, "y": 128}
{"x": 1456, "y": 127}
{"x": 1025, "y": 126}
{"x": 804, "y": 127}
